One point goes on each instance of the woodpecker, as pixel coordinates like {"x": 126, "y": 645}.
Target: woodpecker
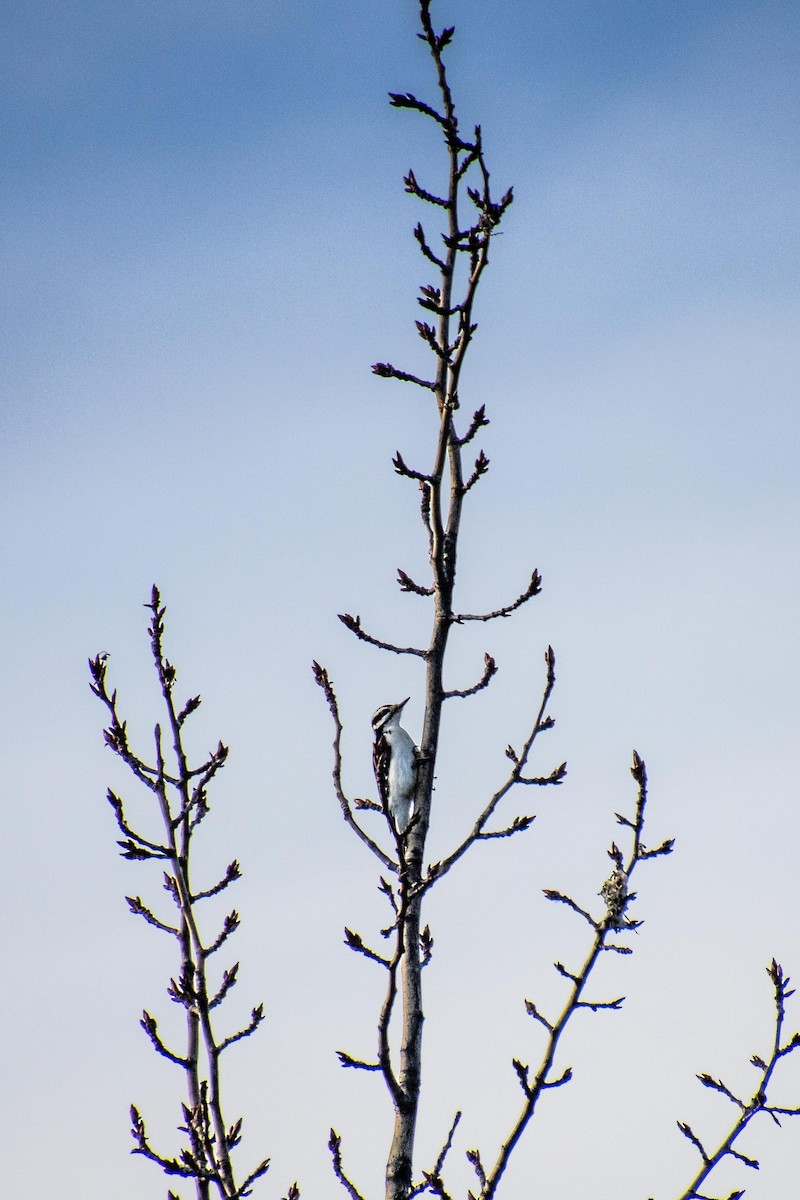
{"x": 394, "y": 757}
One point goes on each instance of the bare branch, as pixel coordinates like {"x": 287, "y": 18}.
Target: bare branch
{"x": 563, "y": 1078}
{"x": 445, "y": 1150}
{"x": 425, "y": 946}
{"x": 419, "y": 234}
{"x": 181, "y": 794}
{"x": 522, "y": 1075}
{"x": 384, "y": 1020}
{"x": 232, "y": 872}
{"x": 136, "y": 906}
{"x": 597, "y": 1005}
{"x": 561, "y": 898}
{"x": 759, "y": 1102}
{"x": 195, "y": 802}
{"x": 718, "y": 1086}
{"x": 388, "y": 891}
{"x": 533, "y": 589}
{"x": 230, "y": 925}
{"x": 408, "y": 585}
{"x": 150, "y": 1026}
{"x": 355, "y": 942}
{"x": 479, "y": 419}
{"x": 362, "y": 803}
{"x": 543, "y": 1080}
{"x": 246, "y": 1188}
{"x": 354, "y": 625}
{"x": 689, "y": 1133}
{"x": 387, "y": 371}
{"x": 556, "y": 776}
{"x": 256, "y": 1017}
{"x": 747, "y": 1161}
{"x": 230, "y": 978}
{"x": 414, "y": 189}
{"x": 473, "y": 1157}
{"x": 518, "y": 825}
{"x": 426, "y": 331}
{"x": 335, "y": 1147}
{"x": 323, "y": 679}
{"x": 402, "y": 469}
{"x": 481, "y": 467}
{"x": 191, "y": 705}
{"x": 489, "y": 669}
{"x": 134, "y": 846}
{"x": 169, "y": 1166}
{"x": 438, "y": 870}
{"x": 406, "y": 100}
{"x": 533, "y": 1011}
{"x": 347, "y": 1061}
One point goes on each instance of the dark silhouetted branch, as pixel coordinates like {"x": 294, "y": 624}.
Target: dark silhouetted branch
{"x": 432, "y": 1180}
{"x": 256, "y": 1017}
{"x": 489, "y": 669}
{"x": 533, "y": 589}
{"x": 518, "y": 825}
{"x": 150, "y": 1026}
{"x": 354, "y": 625}
{"x": 323, "y": 679}
{"x": 335, "y": 1147}
{"x": 479, "y": 419}
{"x": 603, "y": 929}
{"x": 533, "y": 1011}
{"x": 758, "y": 1103}
{"x": 560, "y": 898}
{"x": 232, "y": 873}
{"x": 437, "y": 870}
{"x": 408, "y": 585}
{"x": 230, "y": 925}
{"x": 387, "y": 371}
{"x": 182, "y": 797}
{"x": 409, "y": 101}
{"x": 481, "y": 467}
{"x": 419, "y": 234}
{"x": 355, "y": 942}
{"x": 401, "y": 469}
{"x": 347, "y": 1061}
{"x": 136, "y": 906}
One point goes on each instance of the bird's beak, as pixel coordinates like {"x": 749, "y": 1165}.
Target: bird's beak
{"x": 403, "y": 703}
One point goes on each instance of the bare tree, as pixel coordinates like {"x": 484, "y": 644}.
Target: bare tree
{"x": 468, "y": 217}
{"x": 181, "y": 795}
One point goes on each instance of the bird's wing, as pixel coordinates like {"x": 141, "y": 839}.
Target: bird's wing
{"x": 380, "y": 762}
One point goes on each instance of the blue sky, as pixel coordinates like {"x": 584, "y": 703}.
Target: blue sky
{"x": 206, "y": 244}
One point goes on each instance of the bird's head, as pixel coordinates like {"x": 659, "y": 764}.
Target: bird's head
{"x": 387, "y": 714}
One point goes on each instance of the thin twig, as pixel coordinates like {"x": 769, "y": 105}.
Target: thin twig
{"x": 323, "y": 679}
{"x": 354, "y": 625}
{"x": 758, "y": 1103}
{"x": 543, "y": 1080}
{"x": 533, "y": 589}
{"x": 182, "y": 799}
{"x": 335, "y": 1147}
{"x": 437, "y": 870}
{"x": 489, "y": 670}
